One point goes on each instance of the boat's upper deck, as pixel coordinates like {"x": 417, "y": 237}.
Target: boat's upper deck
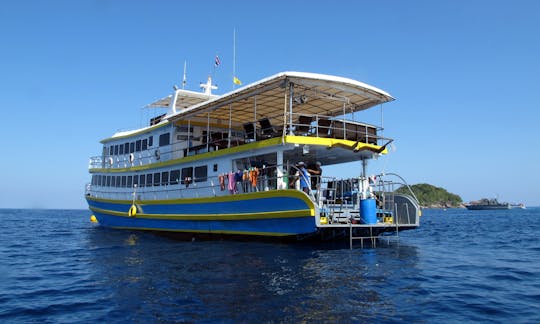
{"x": 296, "y": 107}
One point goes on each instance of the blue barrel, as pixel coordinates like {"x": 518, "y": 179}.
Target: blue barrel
{"x": 368, "y": 211}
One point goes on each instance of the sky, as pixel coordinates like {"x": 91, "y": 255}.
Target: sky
{"x": 465, "y": 75}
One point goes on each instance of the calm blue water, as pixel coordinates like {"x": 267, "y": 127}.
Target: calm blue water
{"x": 55, "y": 266}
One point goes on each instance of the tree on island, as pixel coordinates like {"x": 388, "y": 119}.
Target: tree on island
{"x": 431, "y": 196}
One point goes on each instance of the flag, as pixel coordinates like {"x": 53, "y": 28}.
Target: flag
{"x": 237, "y": 81}
{"x": 217, "y": 62}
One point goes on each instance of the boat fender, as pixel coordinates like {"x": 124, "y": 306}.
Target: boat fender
{"x": 132, "y": 211}
{"x": 131, "y": 157}
{"x": 157, "y": 154}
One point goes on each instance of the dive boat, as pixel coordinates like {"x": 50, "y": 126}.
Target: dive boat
{"x": 237, "y": 164}
{"x": 487, "y": 204}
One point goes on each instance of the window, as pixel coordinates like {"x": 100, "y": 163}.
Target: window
{"x": 138, "y": 146}
{"x": 135, "y": 180}
{"x": 150, "y": 141}
{"x": 131, "y": 147}
{"x": 164, "y": 139}
{"x": 142, "y": 179}
{"x": 215, "y": 167}
{"x": 187, "y": 173}
{"x": 93, "y": 180}
{"x": 124, "y": 181}
{"x": 121, "y": 149}
{"x": 149, "y": 180}
{"x": 111, "y": 150}
{"x": 201, "y": 173}
{"x": 118, "y": 181}
{"x": 108, "y": 181}
{"x": 165, "y": 178}
{"x": 126, "y": 148}
{"x": 175, "y": 176}
{"x": 129, "y": 181}
{"x": 144, "y": 144}
{"x": 157, "y": 179}
{"x": 116, "y": 150}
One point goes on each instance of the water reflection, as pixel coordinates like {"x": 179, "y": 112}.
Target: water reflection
{"x": 247, "y": 281}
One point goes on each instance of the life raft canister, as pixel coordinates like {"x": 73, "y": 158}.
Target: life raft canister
{"x": 132, "y": 211}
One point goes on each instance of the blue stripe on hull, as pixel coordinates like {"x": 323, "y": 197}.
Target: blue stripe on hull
{"x": 281, "y": 226}
{"x": 273, "y": 204}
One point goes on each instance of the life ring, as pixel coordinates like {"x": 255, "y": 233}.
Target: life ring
{"x": 111, "y": 161}
{"x": 158, "y": 155}
{"x": 131, "y": 157}
{"x": 132, "y": 211}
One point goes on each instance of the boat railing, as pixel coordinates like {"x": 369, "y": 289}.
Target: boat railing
{"x": 252, "y": 180}
{"x": 339, "y": 199}
{"x": 267, "y": 127}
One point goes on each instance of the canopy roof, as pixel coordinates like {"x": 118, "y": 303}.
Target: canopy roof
{"x": 184, "y": 100}
{"x": 313, "y": 94}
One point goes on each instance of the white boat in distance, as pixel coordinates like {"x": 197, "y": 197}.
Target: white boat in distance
{"x": 230, "y": 164}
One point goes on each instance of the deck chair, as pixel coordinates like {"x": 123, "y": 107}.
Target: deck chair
{"x": 304, "y": 125}
{"x": 249, "y": 129}
{"x": 267, "y": 130}
{"x": 338, "y": 130}
{"x": 351, "y": 132}
{"x": 323, "y": 127}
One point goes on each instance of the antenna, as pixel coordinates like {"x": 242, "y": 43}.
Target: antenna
{"x": 184, "y": 80}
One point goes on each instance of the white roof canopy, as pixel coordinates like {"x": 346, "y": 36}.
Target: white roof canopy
{"x": 314, "y": 94}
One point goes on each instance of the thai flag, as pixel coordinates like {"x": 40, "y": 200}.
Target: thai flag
{"x": 217, "y": 62}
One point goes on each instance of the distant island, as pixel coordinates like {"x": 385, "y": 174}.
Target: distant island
{"x": 433, "y": 197}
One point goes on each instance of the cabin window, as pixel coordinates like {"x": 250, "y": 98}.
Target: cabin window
{"x": 157, "y": 179}
{"x": 124, "y": 181}
{"x": 129, "y": 181}
{"x": 201, "y": 172}
{"x": 142, "y": 180}
{"x": 132, "y": 147}
{"x": 126, "y": 148}
{"x": 165, "y": 178}
{"x": 138, "y": 146}
{"x": 108, "y": 181}
{"x": 111, "y": 150}
{"x": 150, "y": 141}
{"x": 116, "y": 150}
{"x": 121, "y": 149}
{"x": 164, "y": 139}
{"x": 175, "y": 176}
{"x": 187, "y": 174}
{"x": 135, "y": 180}
{"x": 116, "y": 181}
{"x": 215, "y": 167}
{"x": 144, "y": 144}
{"x": 149, "y": 180}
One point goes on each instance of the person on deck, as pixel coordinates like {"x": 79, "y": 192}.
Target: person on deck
{"x": 316, "y": 173}
{"x": 304, "y": 177}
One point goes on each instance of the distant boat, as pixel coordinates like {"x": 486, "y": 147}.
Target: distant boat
{"x": 487, "y": 204}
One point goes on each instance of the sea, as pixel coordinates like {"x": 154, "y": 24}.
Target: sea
{"x": 459, "y": 266}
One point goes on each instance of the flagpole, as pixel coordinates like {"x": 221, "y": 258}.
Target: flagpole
{"x": 234, "y": 56}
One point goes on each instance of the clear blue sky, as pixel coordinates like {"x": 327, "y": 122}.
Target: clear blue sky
{"x": 466, "y": 75}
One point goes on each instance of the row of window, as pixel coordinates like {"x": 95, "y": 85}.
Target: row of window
{"x": 183, "y": 176}
{"x": 136, "y": 146}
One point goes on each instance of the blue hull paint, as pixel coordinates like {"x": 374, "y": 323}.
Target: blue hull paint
{"x": 260, "y": 224}
{"x": 264, "y": 227}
